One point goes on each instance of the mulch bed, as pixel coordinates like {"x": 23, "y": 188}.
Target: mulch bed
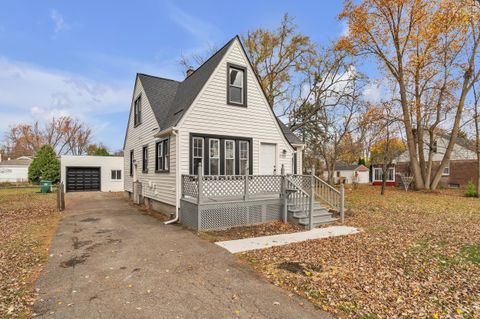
{"x": 272, "y": 228}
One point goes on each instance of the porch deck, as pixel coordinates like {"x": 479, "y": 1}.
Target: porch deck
{"x": 217, "y": 202}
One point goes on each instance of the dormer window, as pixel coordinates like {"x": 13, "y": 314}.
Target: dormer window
{"x": 237, "y": 83}
{"x": 137, "y": 111}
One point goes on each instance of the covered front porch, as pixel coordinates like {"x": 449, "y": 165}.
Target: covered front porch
{"x": 222, "y": 201}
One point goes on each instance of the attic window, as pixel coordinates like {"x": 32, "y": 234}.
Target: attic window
{"x": 237, "y": 83}
{"x": 137, "y": 111}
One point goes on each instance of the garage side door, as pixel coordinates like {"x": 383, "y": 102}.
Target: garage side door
{"x": 81, "y": 179}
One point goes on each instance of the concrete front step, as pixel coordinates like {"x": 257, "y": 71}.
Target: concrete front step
{"x": 317, "y": 223}
{"x": 316, "y": 213}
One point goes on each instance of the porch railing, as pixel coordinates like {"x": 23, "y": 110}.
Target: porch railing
{"x": 322, "y": 190}
{"x": 201, "y": 188}
{"x": 214, "y": 188}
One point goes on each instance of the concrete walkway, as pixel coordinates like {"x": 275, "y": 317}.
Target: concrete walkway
{"x": 110, "y": 261}
{"x": 240, "y": 245}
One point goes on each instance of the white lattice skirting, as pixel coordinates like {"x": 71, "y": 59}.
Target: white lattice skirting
{"x": 218, "y": 215}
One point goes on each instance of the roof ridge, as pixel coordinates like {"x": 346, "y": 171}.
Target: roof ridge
{"x": 158, "y": 77}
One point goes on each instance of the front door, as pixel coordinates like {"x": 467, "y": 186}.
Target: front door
{"x": 268, "y": 158}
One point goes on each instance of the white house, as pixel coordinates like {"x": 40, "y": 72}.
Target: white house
{"x": 15, "y": 170}
{"x": 218, "y": 116}
{"x": 92, "y": 173}
{"x": 350, "y": 173}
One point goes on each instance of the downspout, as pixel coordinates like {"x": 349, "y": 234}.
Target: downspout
{"x": 177, "y": 178}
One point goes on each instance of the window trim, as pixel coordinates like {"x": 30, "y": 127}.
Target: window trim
{"x": 165, "y": 155}
{"x": 116, "y": 179}
{"x": 202, "y": 157}
{"x": 205, "y": 155}
{"x": 145, "y": 158}
{"x": 137, "y": 120}
{"x": 241, "y": 68}
{"x": 131, "y": 162}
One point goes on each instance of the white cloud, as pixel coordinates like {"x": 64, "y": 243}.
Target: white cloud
{"x": 203, "y": 31}
{"x": 59, "y": 23}
{"x": 30, "y": 92}
{"x": 374, "y": 92}
{"x": 345, "y": 29}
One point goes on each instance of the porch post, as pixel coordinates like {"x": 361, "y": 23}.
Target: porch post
{"x": 284, "y": 194}
{"x": 245, "y": 190}
{"x": 342, "y": 202}
{"x": 200, "y": 183}
{"x": 312, "y": 201}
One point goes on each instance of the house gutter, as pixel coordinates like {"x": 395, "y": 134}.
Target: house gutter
{"x": 175, "y": 132}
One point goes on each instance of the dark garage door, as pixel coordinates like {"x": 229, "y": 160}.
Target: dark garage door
{"x": 80, "y": 179}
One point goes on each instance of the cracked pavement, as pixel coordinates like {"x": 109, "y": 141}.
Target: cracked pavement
{"x": 108, "y": 260}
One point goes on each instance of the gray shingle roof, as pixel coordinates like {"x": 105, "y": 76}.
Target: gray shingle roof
{"x": 347, "y": 167}
{"x": 170, "y": 99}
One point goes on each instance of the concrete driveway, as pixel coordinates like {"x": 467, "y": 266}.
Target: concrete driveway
{"x": 110, "y": 261}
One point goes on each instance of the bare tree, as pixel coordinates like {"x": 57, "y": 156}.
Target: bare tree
{"x": 327, "y": 112}
{"x": 66, "y": 135}
{"x": 196, "y": 59}
{"x": 276, "y": 55}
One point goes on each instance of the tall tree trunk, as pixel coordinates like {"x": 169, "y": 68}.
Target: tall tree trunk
{"x": 477, "y": 137}
{"x": 411, "y": 145}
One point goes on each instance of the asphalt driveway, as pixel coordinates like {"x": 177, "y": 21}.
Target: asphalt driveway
{"x": 108, "y": 260}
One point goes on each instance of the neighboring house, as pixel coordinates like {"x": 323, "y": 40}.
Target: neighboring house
{"x": 461, "y": 169}
{"x": 92, "y": 173}
{"x": 15, "y": 170}
{"x": 218, "y": 116}
{"x": 349, "y": 174}
{"x": 377, "y": 175}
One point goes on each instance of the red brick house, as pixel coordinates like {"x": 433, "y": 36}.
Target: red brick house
{"x": 461, "y": 169}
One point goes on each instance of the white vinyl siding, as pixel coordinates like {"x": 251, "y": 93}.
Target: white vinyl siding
{"x": 210, "y": 114}
{"x": 157, "y": 186}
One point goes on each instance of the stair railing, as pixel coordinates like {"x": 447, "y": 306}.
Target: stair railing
{"x": 329, "y": 194}
{"x": 299, "y": 198}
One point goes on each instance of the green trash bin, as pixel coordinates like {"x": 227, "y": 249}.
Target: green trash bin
{"x": 45, "y": 186}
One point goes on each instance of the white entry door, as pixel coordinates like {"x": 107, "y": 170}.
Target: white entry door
{"x": 268, "y": 158}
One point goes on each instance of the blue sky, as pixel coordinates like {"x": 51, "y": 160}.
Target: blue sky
{"x": 80, "y": 58}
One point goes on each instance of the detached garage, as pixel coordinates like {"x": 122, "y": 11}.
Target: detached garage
{"x": 92, "y": 173}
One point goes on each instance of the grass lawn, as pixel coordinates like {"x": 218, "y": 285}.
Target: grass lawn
{"x": 27, "y": 223}
{"x": 418, "y": 257}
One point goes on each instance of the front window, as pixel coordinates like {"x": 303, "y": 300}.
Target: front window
{"x": 137, "y": 111}
{"x": 145, "y": 159}
{"x": 236, "y": 85}
{"x": 214, "y": 157}
{"x": 162, "y": 156}
{"x": 244, "y": 149}
{"x": 197, "y": 153}
{"x": 116, "y": 174}
{"x": 229, "y": 157}
{"x": 220, "y": 155}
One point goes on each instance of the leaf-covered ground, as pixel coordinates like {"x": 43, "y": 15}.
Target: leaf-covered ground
{"x": 268, "y": 229}
{"x": 418, "y": 257}
{"x": 27, "y": 224}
